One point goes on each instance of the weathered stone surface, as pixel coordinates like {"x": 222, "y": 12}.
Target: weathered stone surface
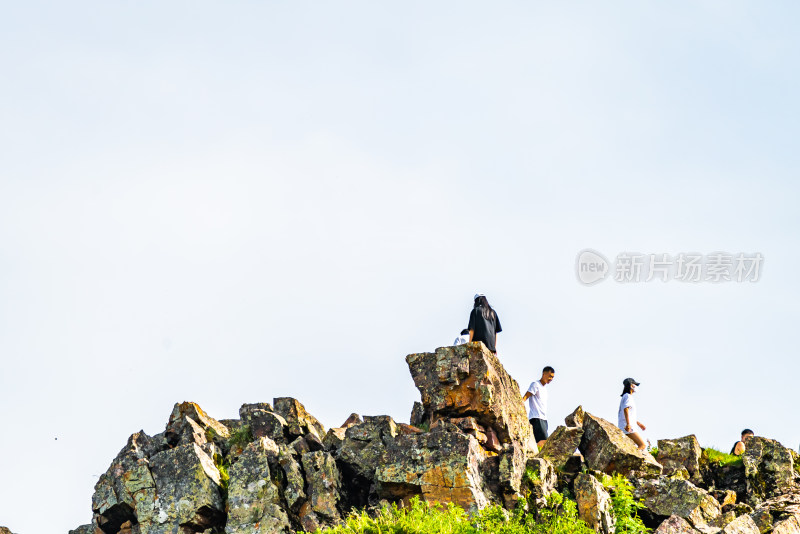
{"x": 728, "y": 477}
{"x": 768, "y": 468}
{"x": 353, "y": 420}
{"x": 594, "y": 503}
{"x": 469, "y": 381}
{"x": 188, "y": 423}
{"x": 685, "y": 452}
{"x": 418, "y": 415}
{"x": 264, "y": 423}
{"x": 724, "y": 497}
{"x": 299, "y": 421}
{"x": 4, "y": 530}
{"x": 607, "y": 449}
{"x": 542, "y": 483}
{"x": 741, "y": 525}
{"x": 675, "y": 525}
{"x": 575, "y": 419}
{"x": 323, "y": 486}
{"x": 790, "y": 525}
{"x": 254, "y": 501}
{"x": 364, "y": 445}
{"x": 664, "y": 497}
{"x": 437, "y": 466}
{"x": 333, "y": 439}
{"x": 561, "y": 445}
{"x": 83, "y": 529}
{"x": 405, "y": 429}
{"x": 294, "y": 485}
{"x": 763, "y": 519}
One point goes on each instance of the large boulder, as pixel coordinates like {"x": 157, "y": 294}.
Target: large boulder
{"x": 607, "y": 449}
{"x": 540, "y": 480}
{"x": 324, "y": 484}
{"x": 681, "y": 453}
{"x": 254, "y": 500}
{"x": 594, "y": 503}
{"x": 768, "y": 468}
{"x": 664, "y": 497}
{"x": 561, "y": 445}
{"x": 442, "y": 467}
{"x": 469, "y": 381}
{"x": 790, "y": 525}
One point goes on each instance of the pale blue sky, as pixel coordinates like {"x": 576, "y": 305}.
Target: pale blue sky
{"x": 230, "y": 203}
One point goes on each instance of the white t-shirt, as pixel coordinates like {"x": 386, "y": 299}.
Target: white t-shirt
{"x": 627, "y": 402}
{"x": 460, "y": 340}
{"x": 537, "y": 402}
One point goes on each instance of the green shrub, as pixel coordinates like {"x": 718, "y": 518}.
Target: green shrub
{"x": 625, "y": 507}
{"x": 560, "y": 516}
{"x": 654, "y": 451}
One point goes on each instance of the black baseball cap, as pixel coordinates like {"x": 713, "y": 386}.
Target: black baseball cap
{"x": 628, "y": 381}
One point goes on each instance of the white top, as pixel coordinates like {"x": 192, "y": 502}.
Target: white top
{"x": 537, "y": 402}
{"x": 627, "y": 402}
{"x": 460, "y": 340}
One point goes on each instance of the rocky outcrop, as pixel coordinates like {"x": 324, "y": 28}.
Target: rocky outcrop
{"x": 594, "y": 503}
{"x": 607, "y": 449}
{"x": 768, "y": 469}
{"x": 664, "y": 497}
{"x": 277, "y": 470}
{"x": 681, "y": 453}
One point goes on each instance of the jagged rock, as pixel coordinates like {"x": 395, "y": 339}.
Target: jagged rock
{"x": 681, "y": 453}
{"x": 575, "y": 419}
{"x": 83, "y": 529}
{"x": 353, "y": 420}
{"x": 607, "y": 449}
{"x": 299, "y": 421}
{"x": 561, "y": 445}
{"x": 188, "y": 423}
{"x": 469, "y": 381}
{"x": 724, "y": 497}
{"x": 791, "y": 525}
{"x": 418, "y": 415}
{"x": 664, "y": 497}
{"x": 675, "y": 525}
{"x": 294, "y": 489}
{"x": 323, "y": 485}
{"x": 741, "y": 525}
{"x": 4, "y": 530}
{"x": 363, "y": 447}
{"x": 594, "y": 503}
{"x": 763, "y": 519}
{"x": 724, "y": 477}
{"x": 254, "y": 501}
{"x": 300, "y": 446}
{"x": 405, "y": 429}
{"x": 768, "y": 468}
{"x": 439, "y": 467}
{"x": 510, "y": 470}
{"x": 542, "y": 482}
{"x": 333, "y": 439}
{"x": 264, "y": 422}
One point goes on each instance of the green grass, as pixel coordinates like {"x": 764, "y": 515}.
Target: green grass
{"x": 654, "y": 451}
{"x": 720, "y": 458}
{"x": 560, "y": 516}
{"x": 625, "y": 507}
{"x": 241, "y": 436}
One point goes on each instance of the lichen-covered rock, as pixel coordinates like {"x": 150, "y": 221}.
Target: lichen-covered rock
{"x": 685, "y": 452}
{"x": 83, "y": 529}
{"x": 539, "y": 482}
{"x": 575, "y": 419}
{"x": 790, "y": 525}
{"x": 724, "y": 477}
{"x": 333, "y": 439}
{"x": 469, "y": 381}
{"x": 675, "y": 525}
{"x": 741, "y": 525}
{"x": 364, "y": 445}
{"x": 664, "y": 497}
{"x": 323, "y": 483}
{"x": 294, "y": 482}
{"x": 561, "y": 445}
{"x": 607, "y": 449}
{"x": 724, "y": 497}
{"x": 594, "y": 503}
{"x": 418, "y": 415}
{"x": 254, "y": 500}
{"x": 768, "y": 468}
{"x": 263, "y": 422}
{"x": 188, "y": 423}
{"x": 299, "y": 421}
{"x": 440, "y": 467}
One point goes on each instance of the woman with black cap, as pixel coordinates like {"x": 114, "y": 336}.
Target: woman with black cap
{"x": 483, "y": 323}
{"x": 627, "y": 413}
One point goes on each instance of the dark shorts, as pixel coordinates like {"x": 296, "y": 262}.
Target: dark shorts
{"x": 539, "y": 429}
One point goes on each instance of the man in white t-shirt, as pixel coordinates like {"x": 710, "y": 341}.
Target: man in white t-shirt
{"x": 463, "y": 338}
{"x": 537, "y": 405}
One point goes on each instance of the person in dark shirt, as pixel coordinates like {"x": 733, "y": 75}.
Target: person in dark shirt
{"x": 739, "y": 446}
{"x": 484, "y": 325}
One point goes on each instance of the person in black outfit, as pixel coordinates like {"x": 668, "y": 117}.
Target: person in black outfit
{"x": 739, "y": 446}
{"x": 484, "y": 324}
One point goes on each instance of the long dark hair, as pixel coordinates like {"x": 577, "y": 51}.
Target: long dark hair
{"x": 487, "y": 310}
{"x": 626, "y": 389}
